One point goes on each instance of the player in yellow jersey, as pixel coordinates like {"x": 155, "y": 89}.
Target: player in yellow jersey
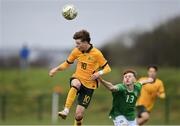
{"x": 91, "y": 64}
{"x": 149, "y": 93}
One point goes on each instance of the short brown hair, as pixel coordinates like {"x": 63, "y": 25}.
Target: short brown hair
{"x": 130, "y": 71}
{"x": 83, "y": 35}
{"x": 153, "y": 66}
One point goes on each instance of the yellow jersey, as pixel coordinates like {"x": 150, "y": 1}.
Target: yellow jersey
{"x": 149, "y": 92}
{"x": 87, "y": 64}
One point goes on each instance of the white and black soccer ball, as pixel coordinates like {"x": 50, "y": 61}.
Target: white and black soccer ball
{"x": 69, "y": 12}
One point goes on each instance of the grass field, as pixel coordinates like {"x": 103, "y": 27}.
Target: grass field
{"x": 23, "y": 88}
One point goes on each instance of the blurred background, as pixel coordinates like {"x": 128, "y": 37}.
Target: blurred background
{"x": 34, "y": 37}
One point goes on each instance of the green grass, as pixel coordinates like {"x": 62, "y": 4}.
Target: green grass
{"x": 22, "y": 89}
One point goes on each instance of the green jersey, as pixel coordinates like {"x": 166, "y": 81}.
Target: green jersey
{"x": 124, "y": 101}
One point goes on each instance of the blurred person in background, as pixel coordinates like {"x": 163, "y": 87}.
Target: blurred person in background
{"x": 24, "y": 56}
{"x": 149, "y": 93}
{"x": 91, "y": 64}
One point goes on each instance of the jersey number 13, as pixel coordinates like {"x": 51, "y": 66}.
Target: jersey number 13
{"x": 130, "y": 98}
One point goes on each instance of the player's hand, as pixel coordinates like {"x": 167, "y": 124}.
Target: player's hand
{"x": 53, "y": 71}
{"x": 150, "y": 80}
{"x": 95, "y": 76}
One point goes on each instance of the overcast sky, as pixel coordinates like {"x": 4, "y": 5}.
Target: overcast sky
{"x": 40, "y": 23}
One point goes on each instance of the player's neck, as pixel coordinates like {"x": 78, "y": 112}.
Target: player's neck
{"x": 130, "y": 87}
{"x": 88, "y": 46}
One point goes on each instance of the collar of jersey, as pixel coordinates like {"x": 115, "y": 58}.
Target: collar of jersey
{"x": 128, "y": 89}
{"x": 91, "y": 46}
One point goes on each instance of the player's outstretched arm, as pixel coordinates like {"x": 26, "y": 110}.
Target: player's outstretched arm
{"x": 61, "y": 67}
{"x": 149, "y": 80}
{"x": 105, "y": 70}
{"x": 108, "y": 85}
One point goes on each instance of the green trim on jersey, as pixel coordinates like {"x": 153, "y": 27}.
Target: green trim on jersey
{"x": 124, "y": 101}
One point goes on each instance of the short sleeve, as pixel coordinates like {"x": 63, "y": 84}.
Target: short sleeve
{"x": 101, "y": 60}
{"x": 161, "y": 87}
{"x": 138, "y": 85}
{"x": 120, "y": 87}
{"x": 72, "y": 56}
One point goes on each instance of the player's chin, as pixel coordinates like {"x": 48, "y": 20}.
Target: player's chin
{"x": 128, "y": 84}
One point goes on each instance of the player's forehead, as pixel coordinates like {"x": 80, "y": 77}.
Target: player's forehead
{"x": 128, "y": 74}
{"x": 152, "y": 69}
{"x": 78, "y": 41}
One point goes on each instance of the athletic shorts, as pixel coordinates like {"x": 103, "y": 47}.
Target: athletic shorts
{"x": 140, "y": 109}
{"x": 84, "y": 95}
{"x": 122, "y": 121}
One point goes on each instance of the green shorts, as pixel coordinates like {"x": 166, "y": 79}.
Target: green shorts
{"x": 140, "y": 109}
{"x": 84, "y": 95}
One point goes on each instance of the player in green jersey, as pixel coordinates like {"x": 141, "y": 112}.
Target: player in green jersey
{"x": 125, "y": 95}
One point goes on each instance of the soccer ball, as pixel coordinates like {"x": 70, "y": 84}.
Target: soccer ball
{"x": 69, "y": 12}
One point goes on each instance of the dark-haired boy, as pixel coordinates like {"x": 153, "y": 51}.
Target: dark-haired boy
{"x": 91, "y": 64}
{"x": 125, "y": 95}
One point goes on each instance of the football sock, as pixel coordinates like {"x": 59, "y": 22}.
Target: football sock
{"x": 71, "y": 97}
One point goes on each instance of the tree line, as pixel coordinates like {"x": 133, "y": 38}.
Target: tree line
{"x": 160, "y": 46}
